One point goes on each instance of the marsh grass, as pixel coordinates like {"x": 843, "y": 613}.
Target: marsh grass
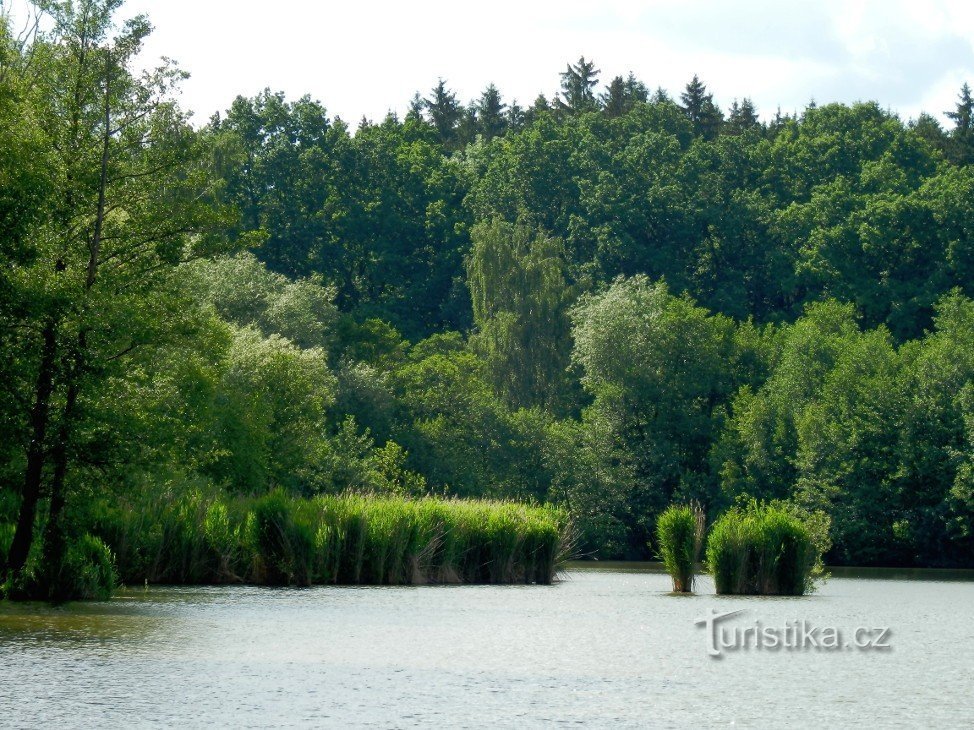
{"x": 679, "y": 531}
{"x": 349, "y": 539}
{"x": 766, "y": 549}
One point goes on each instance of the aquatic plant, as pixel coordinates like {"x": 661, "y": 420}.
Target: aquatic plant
{"x": 679, "y": 531}
{"x": 767, "y": 549}
{"x": 279, "y": 539}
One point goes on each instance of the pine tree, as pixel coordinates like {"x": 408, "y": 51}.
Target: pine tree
{"x": 636, "y": 90}
{"x": 539, "y": 107}
{"x": 961, "y": 149}
{"x": 622, "y": 94}
{"x": 514, "y": 119}
{"x": 578, "y": 82}
{"x": 416, "y": 108}
{"x": 743, "y": 117}
{"x": 469, "y": 126}
{"x": 698, "y": 105}
{"x": 491, "y": 120}
{"x": 661, "y": 96}
{"x": 445, "y": 112}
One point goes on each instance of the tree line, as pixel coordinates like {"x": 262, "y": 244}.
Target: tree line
{"x": 611, "y": 300}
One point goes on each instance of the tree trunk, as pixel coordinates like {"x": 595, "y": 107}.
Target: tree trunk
{"x": 55, "y": 541}
{"x": 36, "y": 454}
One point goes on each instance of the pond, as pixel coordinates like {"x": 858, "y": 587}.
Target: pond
{"x": 606, "y": 646}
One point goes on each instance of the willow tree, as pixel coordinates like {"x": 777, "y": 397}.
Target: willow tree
{"x": 95, "y": 293}
{"x": 521, "y": 295}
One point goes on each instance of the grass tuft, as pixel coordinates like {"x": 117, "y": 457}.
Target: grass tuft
{"x": 679, "y": 531}
{"x": 766, "y": 549}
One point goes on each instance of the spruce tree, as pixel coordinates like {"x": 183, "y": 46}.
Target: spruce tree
{"x": 622, "y": 94}
{"x": 491, "y": 120}
{"x": 742, "y": 117}
{"x": 445, "y": 112}
{"x": 699, "y": 106}
{"x": 578, "y": 83}
{"x": 961, "y": 149}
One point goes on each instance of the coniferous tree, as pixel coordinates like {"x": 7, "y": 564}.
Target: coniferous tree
{"x": 514, "y": 117}
{"x": 742, "y": 117}
{"x": 661, "y": 96}
{"x": 469, "y": 125}
{"x": 578, "y": 83}
{"x": 445, "y": 112}
{"x": 962, "y": 135}
{"x": 539, "y": 107}
{"x": 699, "y": 106}
{"x": 491, "y": 119}
{"x": 622, "y": 94}
{"x": 416, "y": 108}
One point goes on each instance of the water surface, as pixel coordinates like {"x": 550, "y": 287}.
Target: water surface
{"x": 606, "y": 646}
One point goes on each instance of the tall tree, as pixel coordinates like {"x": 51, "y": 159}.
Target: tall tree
{"x": 699, "y": 106}
{"x": 491, "y": 118}
{"x": 445, "y": 112}
{"x": 742, "y": 117}
{"x": 578, "y": 82}
{"x": 520, "y": 293}
{"x": 621, "y": 94}
{"x": 130, "y": 203}
{"x": 962, "y": 135}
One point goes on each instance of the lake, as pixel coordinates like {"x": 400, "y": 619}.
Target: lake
{"x": 607, "y": 646}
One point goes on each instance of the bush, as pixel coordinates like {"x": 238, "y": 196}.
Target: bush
{"x": 88, "y": 571}
{"x": 766, "y": 549}
{"x": 679, "y": 531}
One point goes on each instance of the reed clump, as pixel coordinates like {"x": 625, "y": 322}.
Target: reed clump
{"x": 766, "y": 549}
{"x": 679, "y": 532}
{"x": 279, "y": 539}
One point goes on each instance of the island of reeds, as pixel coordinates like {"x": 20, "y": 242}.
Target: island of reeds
{"x": 766, "y": 549}
{"x": 280, "y": 540}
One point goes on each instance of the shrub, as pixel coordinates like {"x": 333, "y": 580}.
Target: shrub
{"x": 679, "y": 531}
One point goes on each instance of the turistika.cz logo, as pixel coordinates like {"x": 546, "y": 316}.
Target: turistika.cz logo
{"x": 794, "y": 635}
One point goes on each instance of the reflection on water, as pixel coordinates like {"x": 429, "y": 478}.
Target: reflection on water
{"x": 606, "y": 646}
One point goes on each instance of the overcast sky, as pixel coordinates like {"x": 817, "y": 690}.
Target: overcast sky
{"x": 369, "y": 56}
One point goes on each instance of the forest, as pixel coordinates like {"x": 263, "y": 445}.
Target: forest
{"x": 608, "y": 301}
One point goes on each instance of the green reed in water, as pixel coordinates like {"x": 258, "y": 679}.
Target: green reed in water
{"x": 278, "y": 539}
{"x": 766, "y": 549}
{"x": 679, "y": 531}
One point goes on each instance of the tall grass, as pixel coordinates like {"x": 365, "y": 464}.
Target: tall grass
{"x": 766, "y": 549}
{"x": 277, "y": 539}
{"x": 679, "y": 531}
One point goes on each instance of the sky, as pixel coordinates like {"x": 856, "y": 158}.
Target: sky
{"x": 367, "y": 57}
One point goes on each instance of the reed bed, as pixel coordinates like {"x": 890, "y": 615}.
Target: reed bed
{"x": 279, "y": 539}
{"x": 765, "y": 549}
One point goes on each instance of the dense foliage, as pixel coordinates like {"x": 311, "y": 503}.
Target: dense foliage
{"x": 610, "y": 301}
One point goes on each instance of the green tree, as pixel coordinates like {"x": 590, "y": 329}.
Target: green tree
{"x": 742, "y": 117}
{"x": 659, "y": 369}
{"x": 491, "y": 118}
{"x": 445, "y": 112}
{"x": 621, "y": 94}
{"x": 520, "y": 294}
{"x": 699, "y": 106}
{"x": 128, "y": 204}
{"x": 962, "y": 135}
{"x": 578, "y": 82}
